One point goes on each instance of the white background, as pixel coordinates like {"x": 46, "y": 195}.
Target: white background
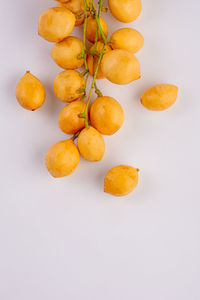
{"x": 66, "y": 239}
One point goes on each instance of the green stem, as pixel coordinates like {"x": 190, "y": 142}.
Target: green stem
{"x": 83, "y": 90}
{"x": 75, "y": 136}
{"x": 96, "y": 71}
{"x": 97, "y": 17}
{"x": 85, "y": 113}
{"x": 93, "y": 52}
{"x": 97, "y": 91}
{"x": 84, "y": 36}
{"x": 97, "y": 29}
{"x": 100, "y": 8}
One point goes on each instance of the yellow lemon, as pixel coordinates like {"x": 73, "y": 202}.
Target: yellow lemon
{"x": 56, "y": 23}
{"x": 128, "y": 39}
{"x": 125, "y": 10}
{"x": 69, "y": 119}
{"x": 66, "y": 53}
{"x": 62, "y": 159}
{"x": 120, "y": 66}
{"x": 67, "y": 85}
{"x": 160, "y": 97}
{"x": 106, "y": 115}
{"x": 30, "y": 92}
{"x": 91, "y": 144}
{"x": 121, "y": 180}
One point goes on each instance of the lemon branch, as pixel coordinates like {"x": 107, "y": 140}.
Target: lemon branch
{"x": 83, "y": 53}
{"x": 96, "y": 71}
{"x": 85, "y": 113}
{"x": 97, "y": 91}
{"x": 94, "y": 53}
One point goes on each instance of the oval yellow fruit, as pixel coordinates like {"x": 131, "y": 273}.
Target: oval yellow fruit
{"x": 121, "y": 180}
{"x": 67, "y": 85}
{"x": 62, "y": 159}
{"x": 76, "y": 7}
{"x": 69, "y": 119}
{"x": 120, "y": 66}
{"x": 66, "y": 53}
{"x": 160, "y": 97}
{"x": 56, "y": 23}
{"x": 90, "y": 59}
{"x": 30, "y": 92}
{"x": 91, "y": 144}
{"x": 125, "y": 10}
{"x": 106, "y": 115}
{"x": 128, "y": 39}
{"x": 91, "y": 29}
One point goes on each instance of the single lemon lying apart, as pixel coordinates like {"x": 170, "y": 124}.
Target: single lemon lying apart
{"x": 160, "y": 97}
{"x": 30, "y": 92}
{"x": 121, "y": 180}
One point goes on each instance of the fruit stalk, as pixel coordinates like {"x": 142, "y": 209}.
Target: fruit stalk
{"x": 84, "y": 115}
{"x": 97, "y": 91}
{"x": 83, "y": 54}
{"x": 93, "y": 53}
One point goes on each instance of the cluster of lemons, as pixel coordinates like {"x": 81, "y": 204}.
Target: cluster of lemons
{"x": 112, "y": 59}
